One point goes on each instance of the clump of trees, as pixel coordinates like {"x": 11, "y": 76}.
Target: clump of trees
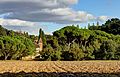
{"x": 94, "y": 43}
{"x": 14, "y": 46}
{"x": 111, "y": 26}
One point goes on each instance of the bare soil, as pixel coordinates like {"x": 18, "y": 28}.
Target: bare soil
{"x": 60, "y": 68}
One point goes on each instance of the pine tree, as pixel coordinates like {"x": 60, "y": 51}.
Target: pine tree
{"x": 97, "y": 23}
{"x": 77, "y": 26}
{"x": 93, "y": 24}
{"x": 40, "y": 34}
{"x": 88, "y": 25}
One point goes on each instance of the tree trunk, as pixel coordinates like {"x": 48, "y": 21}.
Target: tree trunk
{"x": 6, "y": 57}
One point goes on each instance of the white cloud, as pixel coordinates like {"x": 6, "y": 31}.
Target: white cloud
{"x": 37, "y": 10}
{"x": 20, "y": 25}
{"x": 66, "y": 15}
{"x": 16, "y": 22}
{"x": 103, "y": 18}
{"x": 27, "y": 15}
{"x": 56, "y": 11}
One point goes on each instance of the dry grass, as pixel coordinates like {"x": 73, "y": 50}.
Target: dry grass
{"x": 91, "y": 67}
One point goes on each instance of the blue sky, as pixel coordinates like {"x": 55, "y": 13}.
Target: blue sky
{"x": 99, "y": 7}
{"x": 51, "y": 15}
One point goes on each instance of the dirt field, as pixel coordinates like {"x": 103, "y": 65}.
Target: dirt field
{"x": 60, "y": 68}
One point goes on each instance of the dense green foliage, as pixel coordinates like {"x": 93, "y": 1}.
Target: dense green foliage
{"x": 111, "y": 26}
{"x": 69, "y": 43}
{"x": 14, "y": 46}
{"x": 73, "y": 43}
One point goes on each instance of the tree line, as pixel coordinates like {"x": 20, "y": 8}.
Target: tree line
{"x": 74, "y": 43}
{"x": 111, "y": 26}
{"x": 98, "y": 42}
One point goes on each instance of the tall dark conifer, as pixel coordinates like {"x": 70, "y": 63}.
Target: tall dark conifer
{"x": 42, "y": 36}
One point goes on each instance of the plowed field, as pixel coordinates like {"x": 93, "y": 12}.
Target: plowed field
{"x": 60, "y": 68}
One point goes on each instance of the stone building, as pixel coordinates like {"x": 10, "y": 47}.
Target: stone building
{"x": 39, "y": 45}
